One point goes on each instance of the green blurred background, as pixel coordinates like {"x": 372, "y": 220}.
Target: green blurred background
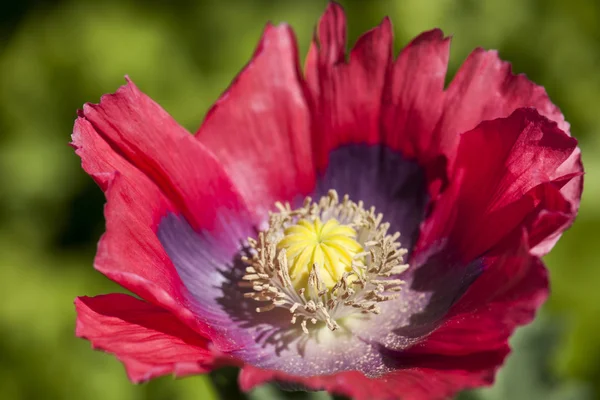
{"x": 56, "y": 55}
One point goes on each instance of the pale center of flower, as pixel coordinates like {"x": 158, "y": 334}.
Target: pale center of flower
{"x": 330, "y": 245}
{"x": 324, "y": 261}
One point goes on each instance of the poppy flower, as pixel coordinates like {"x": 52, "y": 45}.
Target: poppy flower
{"x": 354, "y": 227}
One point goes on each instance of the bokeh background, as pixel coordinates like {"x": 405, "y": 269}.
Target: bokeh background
{"x": 56, "y": 55}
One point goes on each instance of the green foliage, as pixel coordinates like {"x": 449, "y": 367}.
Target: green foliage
{"x": 57, "y": 56}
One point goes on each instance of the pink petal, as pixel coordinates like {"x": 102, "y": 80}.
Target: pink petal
{"x": 141, "y": 132}
{"x": 424, "y": 121}
{"x": 148, "y": 340}
{"x": 494, "y": 188}
{"x": 260, "y": 127}
{"x": 415, "y": 96}
{"x": 485, "y": 88}
{"x": 506, "y": 295}
{"x": 127, "y": 145}
{"x": 559, "y": 204}
{"x": 346, "y": 95}
{"x": 402, "y": 103}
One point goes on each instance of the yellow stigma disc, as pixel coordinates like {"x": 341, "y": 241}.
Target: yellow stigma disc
{"x": 331, "y": 246}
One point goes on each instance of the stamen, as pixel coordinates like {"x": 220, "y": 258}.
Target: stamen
{"x": 324, "y": 261}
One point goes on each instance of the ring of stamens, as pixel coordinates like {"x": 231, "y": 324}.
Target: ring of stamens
{"x": 369, "y": 279}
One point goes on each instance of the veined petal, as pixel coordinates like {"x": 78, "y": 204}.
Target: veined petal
{"x": 142, "y": 133}
{"x": 260, "y": 128}
{"x": 507, "y": 294}
{"x": 402, "y": 103}
{"x": 415, "y": 97}
{"x": 485, "y": 88}
{"x": 346, "y": 95}
{"x": 499, "y": 167}
{"x": 558, "y": 205}
{"x": 148, "y": 340}
{"x": 126, "y": 143}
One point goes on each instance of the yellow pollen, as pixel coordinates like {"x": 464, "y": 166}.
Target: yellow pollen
{"x": 332, "y": 246}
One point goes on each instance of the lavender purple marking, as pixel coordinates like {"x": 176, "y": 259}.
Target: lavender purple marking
{"x": 382, "y": 178}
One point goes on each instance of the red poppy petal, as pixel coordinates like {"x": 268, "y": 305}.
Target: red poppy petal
{"x": 130, "y": 252}
{"x": 416, "y": 96}
{"x": 443, "y": 378}
{"x": 571, "y": 189}
{"x": 346, "y": 95}
{"x": 498, "y": 167}
{"x": 485, "y": 88}
{"x": 148, "y": 340}
{"x": 260, "y": 128}
{"x": 559, "y": 204}
{"x": 554, "y": 213}
{"x": 419, "y": 118}
{"x": 506, "y": 295}
{"x": 148, "y": 138}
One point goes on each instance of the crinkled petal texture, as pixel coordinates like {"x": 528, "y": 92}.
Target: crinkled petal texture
{"x": 151, "y": 168}
{"x": 480, "y": 178}
{"x": 149, "y": 340}
{"x": 260, "y": 128}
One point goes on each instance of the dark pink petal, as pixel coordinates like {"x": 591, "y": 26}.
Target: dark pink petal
{"x": 260, "y": 127}
{"x": 148, "y": 340}
{"x": 127, "y": 145}
{"x": 346, "y": 95}
{"x": 415, "y": 96}
{"x": 485, "y": 88}
{"x": 373, "y": 99}
{"x": 434, "y": 379}
{"x": 148, "y": 138}
{"x": 424, "y": 121}
{"x": 499, "y": 168}
{"x": 506, "y": 295}
{"x": 552, "y": 216}
{"x": 558, "y": 207}
{"x": 129, "y": 252}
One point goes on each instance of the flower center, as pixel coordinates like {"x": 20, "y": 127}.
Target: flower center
{"x": 324, "y": 261}
{"x": 330, "y": 245}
